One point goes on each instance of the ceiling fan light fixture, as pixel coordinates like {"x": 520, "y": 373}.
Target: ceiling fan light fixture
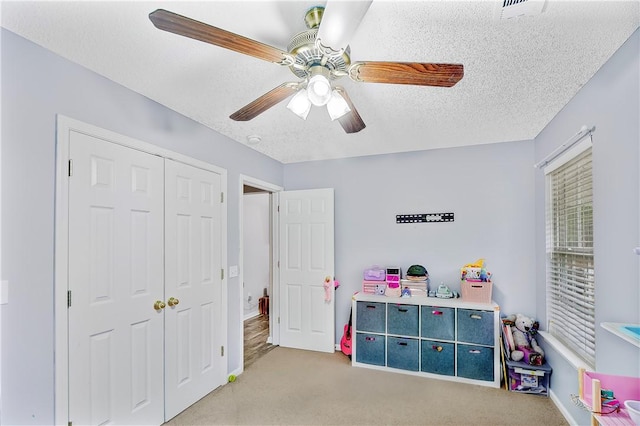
{"x": 319, "y": 90}
{"x": 319, "y": 87}
{"x": 300, "y": 104}
{"x": 337, "y": 106}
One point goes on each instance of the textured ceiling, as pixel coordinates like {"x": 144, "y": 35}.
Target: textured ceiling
{"x": 519, "y": 73}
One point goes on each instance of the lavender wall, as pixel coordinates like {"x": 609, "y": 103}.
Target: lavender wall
{"x": 489, "y": 188}
{"x": 610, "y": 101}
{"x": 36, "y": 86}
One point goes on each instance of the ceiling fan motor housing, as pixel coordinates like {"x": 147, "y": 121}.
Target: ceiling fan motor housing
{"x": 303, "y": 47}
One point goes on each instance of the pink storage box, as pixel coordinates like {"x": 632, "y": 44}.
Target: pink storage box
{"x": 476, "y": 291}
{"x": 375, "y": 273}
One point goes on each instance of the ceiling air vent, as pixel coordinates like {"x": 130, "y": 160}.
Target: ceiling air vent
{"x": 507, "y": 9}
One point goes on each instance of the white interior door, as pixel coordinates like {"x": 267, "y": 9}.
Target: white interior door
{"x": 306, "y": 227}
{"x": 193, "y": 279}
{"x": 115, "y": 276}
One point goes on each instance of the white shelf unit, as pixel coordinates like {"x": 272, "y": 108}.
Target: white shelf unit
{"x": 446, "y": 339}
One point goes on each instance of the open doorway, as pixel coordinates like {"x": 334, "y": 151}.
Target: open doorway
{"x": 257, "y": 274}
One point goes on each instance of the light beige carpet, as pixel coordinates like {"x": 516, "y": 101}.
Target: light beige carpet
{"x": 294, "y": 387}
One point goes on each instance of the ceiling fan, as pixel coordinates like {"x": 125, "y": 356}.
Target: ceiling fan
{"x": 318, "y": 56}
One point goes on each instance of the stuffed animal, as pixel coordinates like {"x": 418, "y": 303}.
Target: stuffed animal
{"x": 527, "y": 349}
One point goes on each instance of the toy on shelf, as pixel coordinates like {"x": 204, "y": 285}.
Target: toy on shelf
{"x": 475, "y": 272}
{"x": 374, "y": 273}
{"x": 444, "y": 292}
{"x": 519, "y": 331}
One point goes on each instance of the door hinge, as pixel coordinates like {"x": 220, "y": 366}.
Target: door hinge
{"x": 70, "y": 423}
{"x": 222, "y": 197}
{"x": 278, "y": 320}
{"x": 221, "y": 350}
{"x": 222, "y": 274}
{"x": 68, "y": 298}
{"x": 278, "y": 208}
{"x": 278, "y": 263}
{"x": 70, "y": 167}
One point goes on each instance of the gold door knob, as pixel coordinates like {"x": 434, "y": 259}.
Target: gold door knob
{"x": 172, "y": 301}
{"x": 159, "y": 305}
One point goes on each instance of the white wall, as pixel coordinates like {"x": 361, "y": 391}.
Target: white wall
{"x": 257, "y": 249}
{"x": 610, "y": 101}
{"x": 489, "y": 188}
{"x": 37, "y": 85}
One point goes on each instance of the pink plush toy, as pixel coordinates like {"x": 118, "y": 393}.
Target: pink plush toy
{"x": 328, "y": 283}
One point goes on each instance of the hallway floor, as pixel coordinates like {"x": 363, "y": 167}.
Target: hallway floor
{"x": 256, "y": 332}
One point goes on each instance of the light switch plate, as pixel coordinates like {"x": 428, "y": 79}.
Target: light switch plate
{"x": 233, "y": 271}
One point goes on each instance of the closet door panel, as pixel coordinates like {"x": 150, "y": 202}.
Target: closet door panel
{"x": 116, "y": 203}
{"x": 193, "y": 265}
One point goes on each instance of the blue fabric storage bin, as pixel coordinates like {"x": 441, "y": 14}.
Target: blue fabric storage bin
{"x": 403, "y": 353}
{"x": 475, "y": 362}
{"x": 370, "y": 348}
{"x": 402, "y": 319}
{"x": 437, "y": 357}
{"x": 370, "y": 316}
{"x": 437, "y": 323}
{"x": 475, "y": 326}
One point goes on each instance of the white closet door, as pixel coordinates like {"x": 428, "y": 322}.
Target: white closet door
{"x": 115, "y": 276}
{"x": 193, "y": 277}
{"x": 307, "y": 313}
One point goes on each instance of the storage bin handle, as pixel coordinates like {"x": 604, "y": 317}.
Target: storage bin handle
{"x": 370, "y": 339}
{"x": 437, "y": 348}
{"x": 403, "y": 310}
{"x": 371, "y": 306}
{"x": 474, "y": 351}
{"x": 402, "y": 343}
{"x": 475, "y": 316}
{"x": 436, "y": 312}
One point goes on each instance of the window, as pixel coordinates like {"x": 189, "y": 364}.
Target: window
{"x": 570, "y": 266}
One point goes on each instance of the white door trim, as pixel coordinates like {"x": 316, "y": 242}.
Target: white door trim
{"x": 273, "y": 189}
{"x": 61, "y": 240}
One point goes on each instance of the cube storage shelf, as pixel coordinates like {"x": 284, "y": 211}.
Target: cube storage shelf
{"x": 438, "y": 338}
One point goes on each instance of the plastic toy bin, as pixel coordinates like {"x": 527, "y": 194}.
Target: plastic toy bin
{"x": 525, "y": 378}
{"x": 476, "y": 291}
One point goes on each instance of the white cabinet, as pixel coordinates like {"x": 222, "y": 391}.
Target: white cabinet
{"x": 438, "y": 338}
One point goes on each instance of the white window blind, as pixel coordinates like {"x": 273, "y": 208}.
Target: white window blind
{"x": 570, "y": 266}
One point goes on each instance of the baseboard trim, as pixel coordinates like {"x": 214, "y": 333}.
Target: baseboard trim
{"x": 236, "y": 372}
{"x": 568, "y": 417}
{"x": 251, "y": 315}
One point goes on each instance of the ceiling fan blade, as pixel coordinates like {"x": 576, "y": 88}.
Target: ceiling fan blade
{"x": 350, "y": 122}
{"x": 181, "y": 25}
{"x": 340, "y": 20}
{"x": 265, "y": 102}
{"x": 415, "y": 73}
